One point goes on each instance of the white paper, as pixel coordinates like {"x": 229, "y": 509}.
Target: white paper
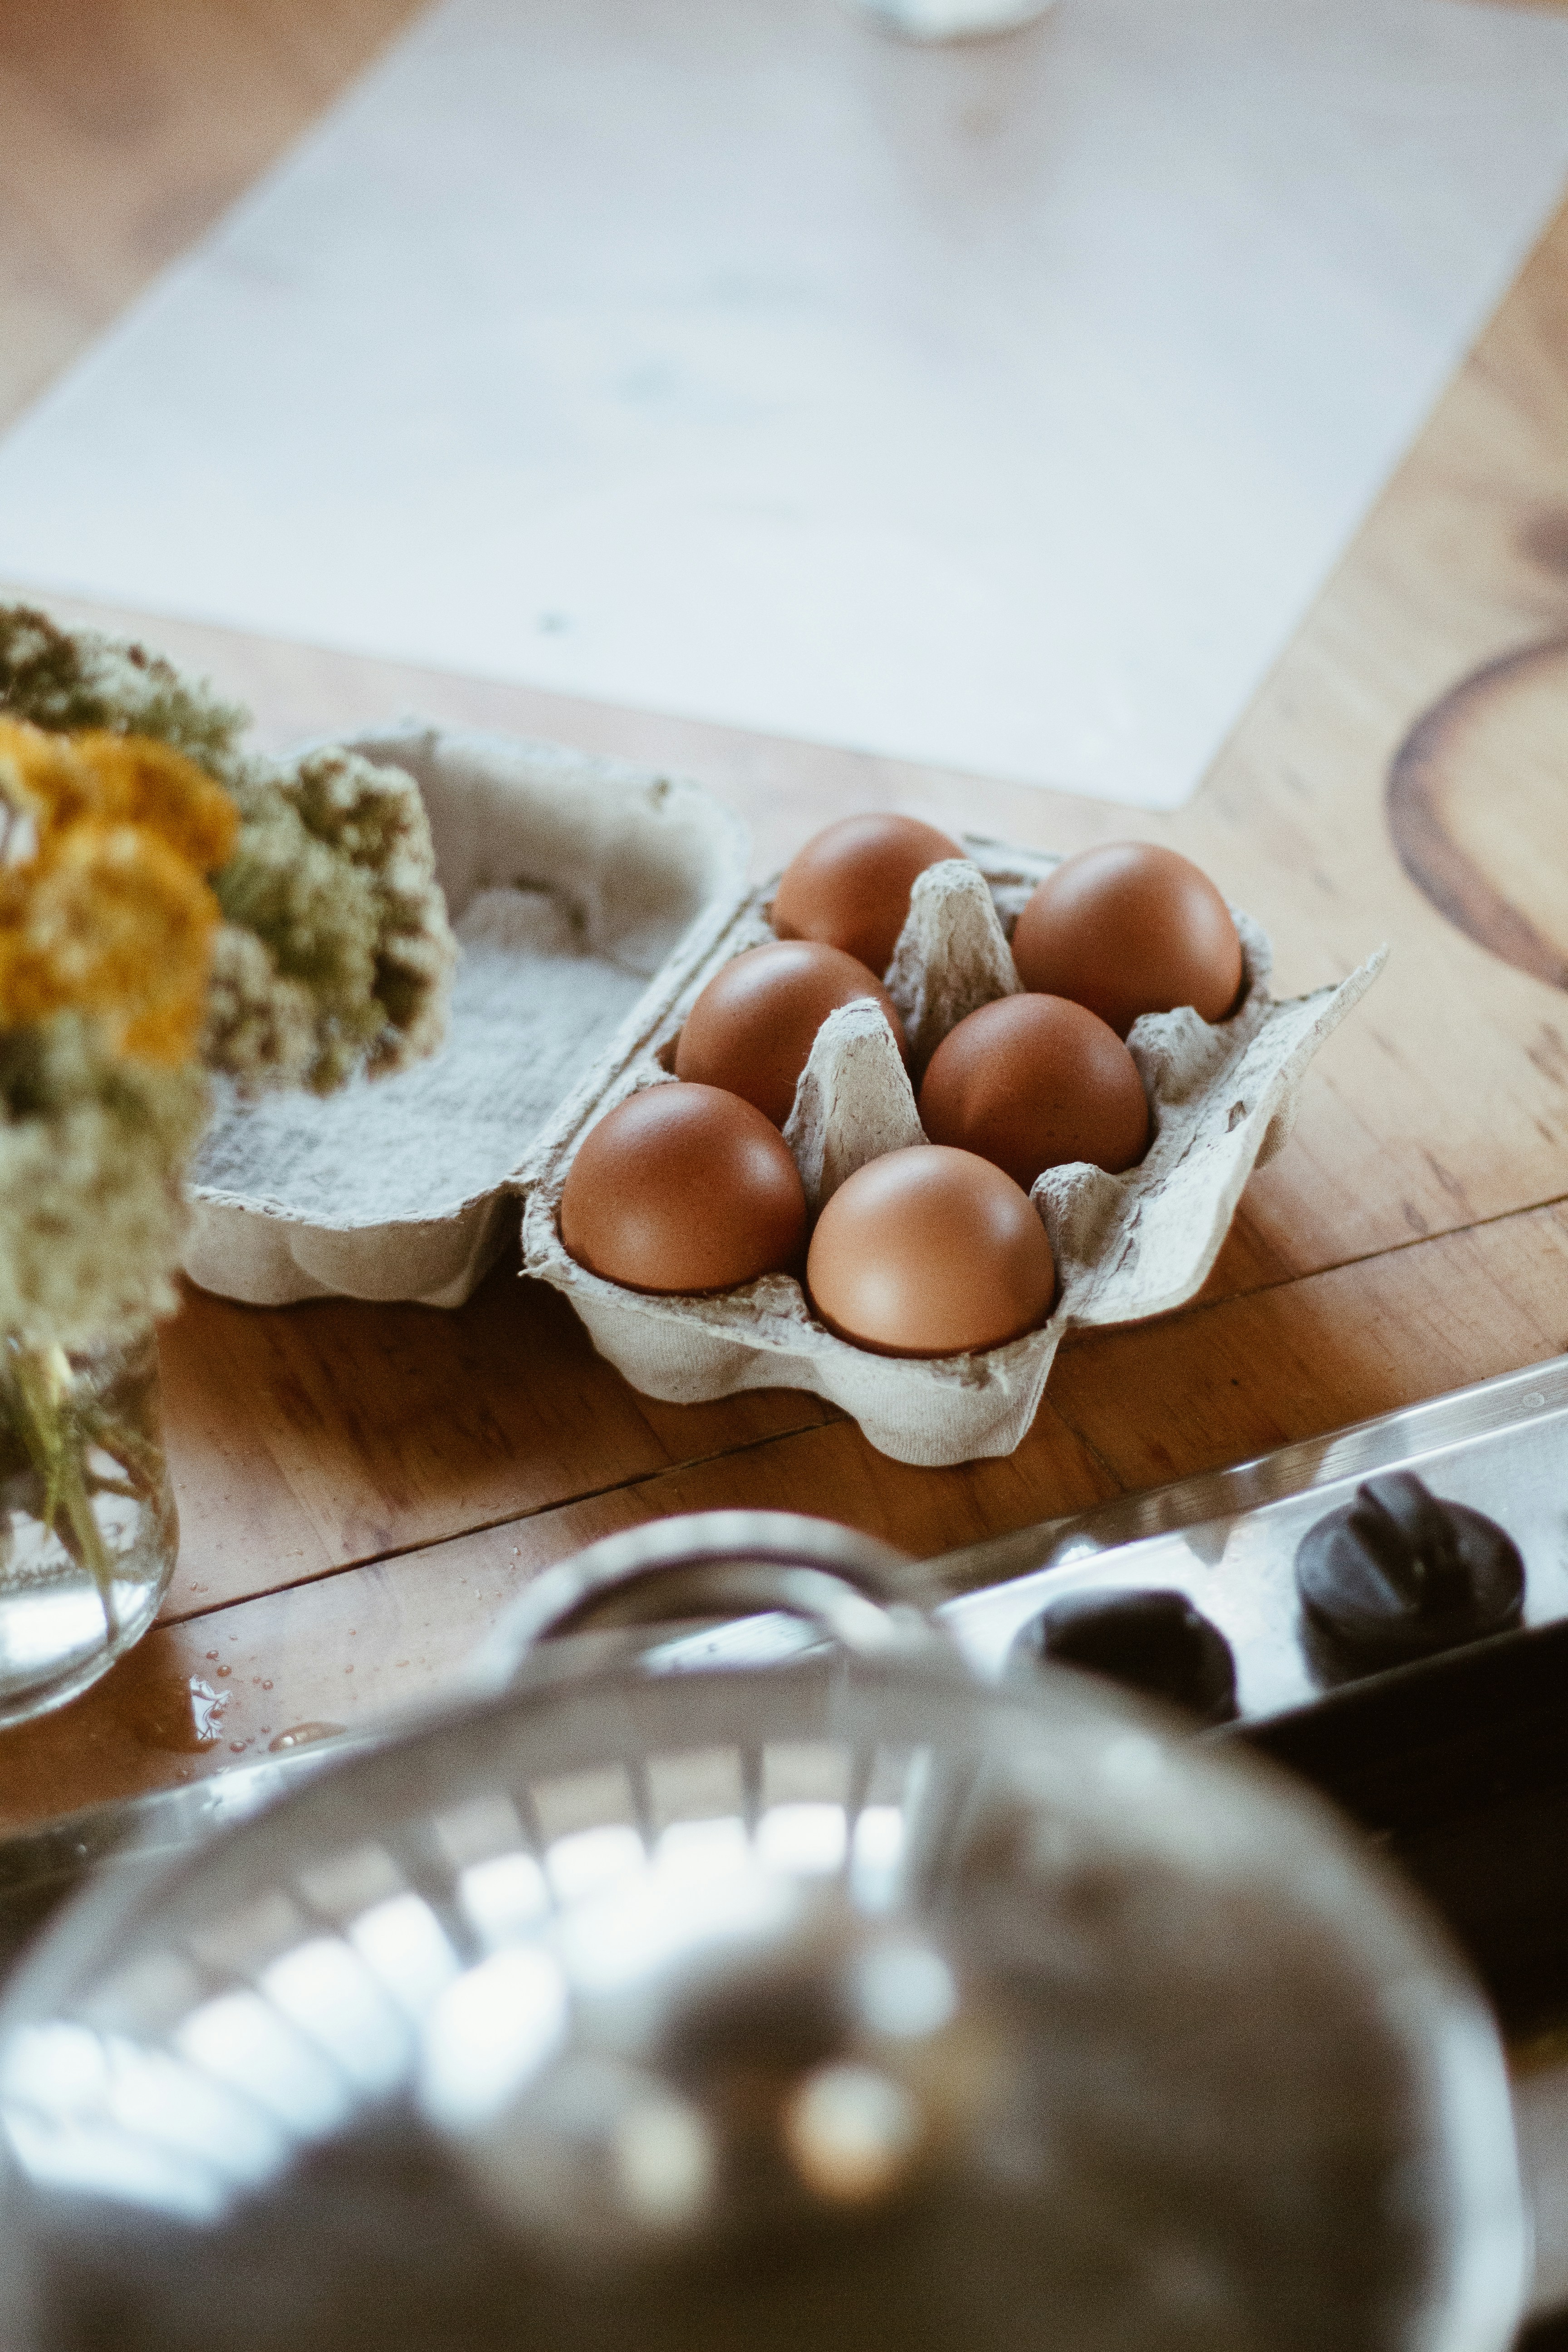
{"x": 999, "y": 406}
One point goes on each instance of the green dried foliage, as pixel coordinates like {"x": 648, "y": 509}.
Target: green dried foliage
{"x": 334, "y": 956}
{"x": 66, "y": 679}
{"x": 92, "y": 1149}
{"x": 334, "y": 875}
{"x": 260, "y": 1028}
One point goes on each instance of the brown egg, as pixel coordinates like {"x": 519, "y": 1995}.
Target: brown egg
{"x": 1130, "y": 928}
{"x": 751, "y": 1030}
{"x": 1032, "y": 1082}
{"x": 683, "y": 1188}
{"x": 930, "y": 1252}
{"x": 851, "y": 885}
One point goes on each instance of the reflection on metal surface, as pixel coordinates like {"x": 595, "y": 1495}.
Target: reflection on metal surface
{"x": 240, "y": 2038}
{"x": 1228, "y": 1539}
{"x": 852, "y": 2133}
{"x": 721, "y": 1952}
{"x": 953, "y": 20}
{"x": 490, "y": 2034}
{"x": 240, "y": 2082}
{"x": 714, "y": 1564}
{"x": 676, "y": 2011}
{"x": 97, "y": 2114}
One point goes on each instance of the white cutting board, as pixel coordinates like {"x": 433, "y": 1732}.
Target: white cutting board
{"x": 1000, "y": 406}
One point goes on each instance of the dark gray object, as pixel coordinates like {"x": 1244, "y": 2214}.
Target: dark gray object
{"x": 1398, "y": 1574}
{"x": 1158, "y": 1642}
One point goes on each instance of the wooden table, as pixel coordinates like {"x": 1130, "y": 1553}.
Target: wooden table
{"x": 361, "y": 1487}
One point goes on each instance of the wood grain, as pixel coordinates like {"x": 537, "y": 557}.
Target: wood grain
{"x": 1476, "y": 806}
{"x": 1219, "y": 1384}
{"x": 361, "y": 1487}
{"x": 393, "y": 1633}
{"x": 1137, "y": 1407}
{"x": 1441, "y": 1102}
{"x": 127, "y": 127}
{"x": 318, "y": 1436}
{"x": 337, "y": 1432}
{"x": 305, "y": 1440}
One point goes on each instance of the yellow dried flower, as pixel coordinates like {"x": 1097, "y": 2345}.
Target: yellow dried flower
{"x": 326, "y": 868}
{"x": 127, "y": 779}
{"x": 142, "y": 782}
{"x": 41, "y": 775}
{"x": 321, "y": 948}
{"x": 108, "y": 919}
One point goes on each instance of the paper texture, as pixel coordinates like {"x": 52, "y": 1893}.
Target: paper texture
{"x": 572, "y": 882}
{"x": 1000, "y": 406}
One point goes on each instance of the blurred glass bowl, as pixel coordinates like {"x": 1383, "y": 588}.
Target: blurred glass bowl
{"x": 838, "y": 2000}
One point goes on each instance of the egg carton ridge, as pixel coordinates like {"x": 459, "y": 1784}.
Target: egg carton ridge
{"x": 1222, "y": 1096}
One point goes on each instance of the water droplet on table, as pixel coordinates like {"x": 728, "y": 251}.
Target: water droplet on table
{"x": 300, "y": 1734}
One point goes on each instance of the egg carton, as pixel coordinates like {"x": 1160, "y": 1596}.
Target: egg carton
{"x": 571, "y": 881}
{"x": 1222, "y": 1095}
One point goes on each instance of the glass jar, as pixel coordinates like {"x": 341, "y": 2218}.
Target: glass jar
{"x": 88, "y": 1527}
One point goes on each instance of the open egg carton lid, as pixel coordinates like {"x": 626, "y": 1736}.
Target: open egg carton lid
{"x": 1221, "y": 1095}
{"x": 581, "y": 890}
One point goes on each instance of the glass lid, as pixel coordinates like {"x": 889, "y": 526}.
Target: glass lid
{"x": 841, "y": 2000}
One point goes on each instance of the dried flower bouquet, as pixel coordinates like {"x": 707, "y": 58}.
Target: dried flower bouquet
{"x": 171, "y": 903}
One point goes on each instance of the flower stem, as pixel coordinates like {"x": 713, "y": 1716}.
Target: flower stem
{"x": 50, "y": 1430}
